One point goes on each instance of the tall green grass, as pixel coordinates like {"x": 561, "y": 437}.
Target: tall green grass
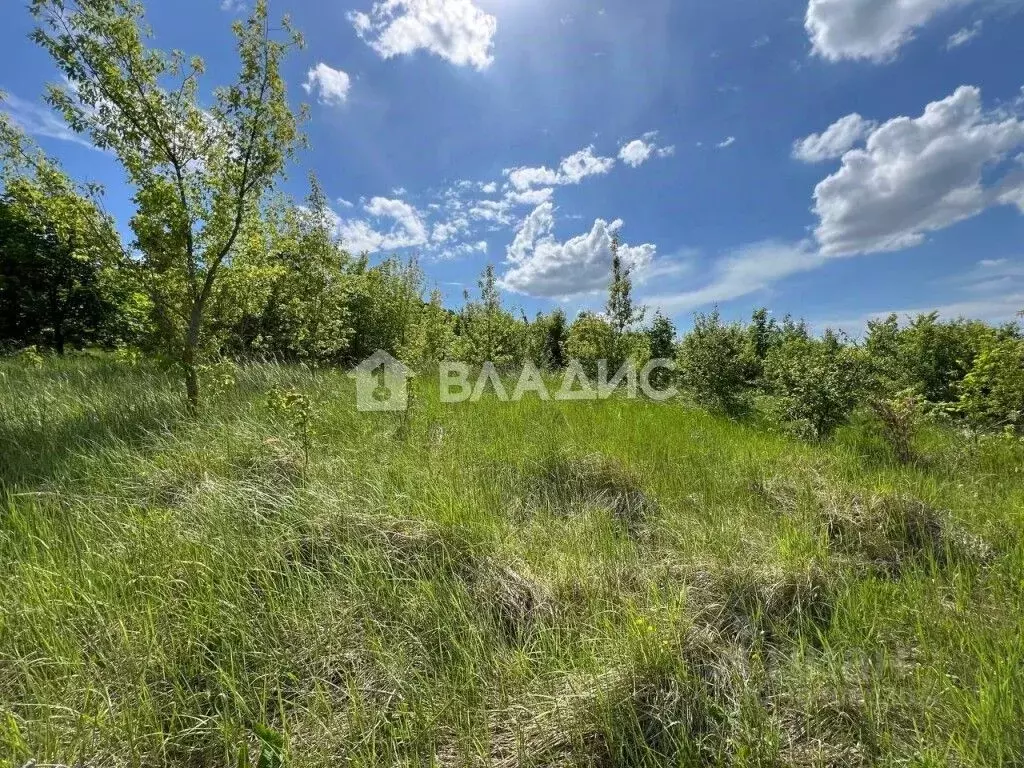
{"x": 514, "y": 584}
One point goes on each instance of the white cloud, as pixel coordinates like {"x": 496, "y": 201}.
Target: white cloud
{"x": 918, "y": 175}
{"x": 462, "y": 249}
{"x": 526, "y": 177}
{"x": 446, "y": 230}
{"x": 490, "y": 188}
{"x": 455, "y": 30}
{"x": 868, "y": 29}
{"x": 407, "y": 230}
{"x": 542, "y": 266}
{"x": 39, "y": 120}
{"x": 572, "y": 170}
{"x": 964, "y": 35}
{"x": 344, "y": 203}
{"x": 232, "y": 6}
{"x": 529, "y": 196}
{"x": 636, "y": 152}
{"x": 494, "y": 211}
{"x": 331, "y": 85}
{"x": 837, "y": 139}
{"x": 727, "y": 143}
{"x": 639, "y": 151}
{"x": 746, "y": 270}
{"x": 579, "y": 165}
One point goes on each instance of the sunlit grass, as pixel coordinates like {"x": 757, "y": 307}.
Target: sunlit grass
{"x": 532, "y": 583}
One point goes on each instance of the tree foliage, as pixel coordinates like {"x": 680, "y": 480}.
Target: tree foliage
{"x": 819, "y": 382}
{"x": 199, "y": 173}
{"x": 993, "y": 390}
{"x": 712, "y": 364}
{"x": 63, "y": 276}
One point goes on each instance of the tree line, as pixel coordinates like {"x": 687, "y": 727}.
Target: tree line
{"x": 221, "y": 263}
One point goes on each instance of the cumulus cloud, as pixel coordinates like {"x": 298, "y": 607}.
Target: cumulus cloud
{"x": 456, "y": 30}
{"x": 494, "y": 211}
{"x": 636, "y": 153}
{"x": 462, "y": 249}
{"x": 728, "y": 142}
{"x": 407, "y": 228}
{"x": 447, "y": 230}
{"x": 542, "y": 266}
{"x": 572, "y": 170}
{"x": 918, "y": 175}
{"x": 330, "y": 85}
{"x": 529, "y": 196}
{"x": 639, "y": 151}
{"x": 868, "y": 29}
{"x": 837, "y": 139}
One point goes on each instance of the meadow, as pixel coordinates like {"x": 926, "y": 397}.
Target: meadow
{"x": 511, "y": 584}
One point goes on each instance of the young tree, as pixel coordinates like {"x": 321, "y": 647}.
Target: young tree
{"x": 309, "y": 298}
{"x": 762, "y": 334}
{"x": 385, "y": 302}
{"x": 620, "y": 310}
{"x": 818, "y": 381}
{"x": 198, "y": 173}
{"x": 431, "y": 338}
{"x": 556, "y": 331}
{"x": 662, "y": 335}
{"x": 488, "y": 333}
{"x": 591, "y": 339}
{"x": 712, "y": 365}
{"x": 662, "y": 338}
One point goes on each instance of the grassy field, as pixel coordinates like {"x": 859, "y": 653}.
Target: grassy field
{"x": 530, "y": 584}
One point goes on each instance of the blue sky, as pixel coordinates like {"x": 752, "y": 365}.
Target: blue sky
{"x": 832, "y": 159}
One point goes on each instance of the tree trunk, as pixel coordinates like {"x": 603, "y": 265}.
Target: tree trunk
{"x": 188, "y": 363}
{"x": 192, "y": 388}
{"x": 188, "y": 357}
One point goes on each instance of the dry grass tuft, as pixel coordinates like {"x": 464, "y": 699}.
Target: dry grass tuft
{"x": 516, "y": 601}
{"x": 573, "y": 483}
{"x": 769, "y": 605}
{"x": 890, "y": 533}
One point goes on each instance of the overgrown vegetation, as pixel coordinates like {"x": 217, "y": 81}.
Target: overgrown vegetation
{"x": 531, "y": 583}
{"x": 810, "y": 557}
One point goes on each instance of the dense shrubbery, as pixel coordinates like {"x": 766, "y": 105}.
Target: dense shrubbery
{"x": 992, "y": 393}
{"x": 818, "y": 382}
{"x": 273, "y": 281}
{"x": 712, "y": 363}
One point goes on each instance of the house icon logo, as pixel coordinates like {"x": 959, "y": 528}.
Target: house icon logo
{"x": 381, "y": 383}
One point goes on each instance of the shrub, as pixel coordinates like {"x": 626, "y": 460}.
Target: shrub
{"x": 590, "y": 339}
{"x": 993, "y": 391}
{"x": 928, "y": 356}
{"x": 713, "y": 365}
{"x": 818, "y": 382}
{"x": 899, "y": 420}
